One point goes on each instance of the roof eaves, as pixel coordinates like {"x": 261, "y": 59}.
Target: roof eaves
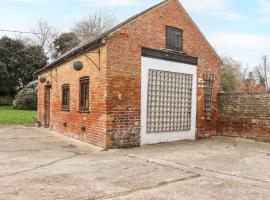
{"x": 80, "y": 48}
{"x": 92, "y": 42}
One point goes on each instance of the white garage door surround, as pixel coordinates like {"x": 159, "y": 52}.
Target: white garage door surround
{"x": 158, "y": 67}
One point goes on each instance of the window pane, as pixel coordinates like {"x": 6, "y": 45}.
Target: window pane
{"x": 81, "y": 93}
{"x": 84, "y": 95}
{"x": 68, "y": 96}
{"x": 169, "y": 38}
{"x": 177, "y": 41}
{"x": 87, "y": 95}
{"x": 172, "y": 39}
{"x": 65, "y": 96}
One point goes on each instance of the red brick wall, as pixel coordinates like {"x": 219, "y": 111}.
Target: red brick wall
{"x": 124, "y": 65}
{"x": 115, "y": 96}
{"x": 95, "y": 121}
{"x": 245, "y": 115}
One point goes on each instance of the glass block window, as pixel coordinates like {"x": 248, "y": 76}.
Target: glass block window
{"x": 169, "y": 101}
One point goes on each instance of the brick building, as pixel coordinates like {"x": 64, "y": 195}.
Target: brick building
{"x": 153, "y": 78}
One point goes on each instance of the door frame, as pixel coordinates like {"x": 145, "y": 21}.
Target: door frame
{"x": 171, "y": 66}
{"x": 47, "y": 106}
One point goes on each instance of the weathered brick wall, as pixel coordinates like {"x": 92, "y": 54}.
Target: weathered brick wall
{"x": 124, "y": 67}
{"x": 244, "y": 115}
{"x": 95, "y": 121}
{"x": 115, "y": 91}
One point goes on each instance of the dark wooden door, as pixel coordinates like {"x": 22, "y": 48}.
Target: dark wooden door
{"x": 47, "y": 107}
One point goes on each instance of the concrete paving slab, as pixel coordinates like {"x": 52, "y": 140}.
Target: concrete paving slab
{"x": 203, "y": 188}
{"x": 237, "y": 157}
{"x": 38, "y": 164}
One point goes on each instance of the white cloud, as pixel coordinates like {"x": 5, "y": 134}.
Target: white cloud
{"x": 205, "y": 5}
{"x": 105, "y": 3}
{"x": 264, "y": 9}
{"x": 264, "y": 6}
{"x": 241, "y": 41}
{"x": 248, "y": 48}
{"x": 31, "y": 1}
{"x": 96, "y": 3}
{"x": 219, "y": 8}
{"x": 265, "y": 20}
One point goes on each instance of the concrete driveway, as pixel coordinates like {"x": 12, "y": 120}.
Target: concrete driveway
{"x": 36, "y": 165}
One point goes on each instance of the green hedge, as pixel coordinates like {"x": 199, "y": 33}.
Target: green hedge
{"x": 6, "y": 100}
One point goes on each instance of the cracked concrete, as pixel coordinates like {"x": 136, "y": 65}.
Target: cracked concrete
{"x": 36, "y": 164}
{"x": 41, "y": 166}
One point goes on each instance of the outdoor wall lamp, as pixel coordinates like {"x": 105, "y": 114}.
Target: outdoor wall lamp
{"x": 77, "y": 65}
{"x": 42, "y": 79}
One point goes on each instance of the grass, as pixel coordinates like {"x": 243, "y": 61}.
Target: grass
{"x": 17, "y": 117}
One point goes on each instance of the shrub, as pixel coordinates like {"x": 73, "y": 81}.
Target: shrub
{"x": 4, "y": 80}
{"x": 26, "y": 99}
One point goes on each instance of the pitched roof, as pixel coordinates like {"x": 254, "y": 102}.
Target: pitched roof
{"x": 98, "y": 40}
{"x": 94, "y": 42}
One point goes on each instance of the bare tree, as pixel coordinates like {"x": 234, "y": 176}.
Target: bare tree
{"x": 94, "y": 24}
{"x": 45, "y": 34}
{"x": 262, "y": 71}
{"x": 247, "y": 77}
{"x": 259, "y": 75}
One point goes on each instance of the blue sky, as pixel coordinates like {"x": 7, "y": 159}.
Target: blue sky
{"x": 237, "y": 28}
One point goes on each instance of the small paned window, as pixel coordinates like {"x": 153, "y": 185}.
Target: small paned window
{"x": 209, "y": 80}
{"x": 84, "y": 94}
{"x": 65, "y": 97}
{"x": 174, "y": 39}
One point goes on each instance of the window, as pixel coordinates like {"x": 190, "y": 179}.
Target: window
{"x": 84, "y": 94}
{"x": 174, "y": 39}
{"x": 209, "y": 80}
{"x": 65, "y": 97}
{"x": 169, "y": 101}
